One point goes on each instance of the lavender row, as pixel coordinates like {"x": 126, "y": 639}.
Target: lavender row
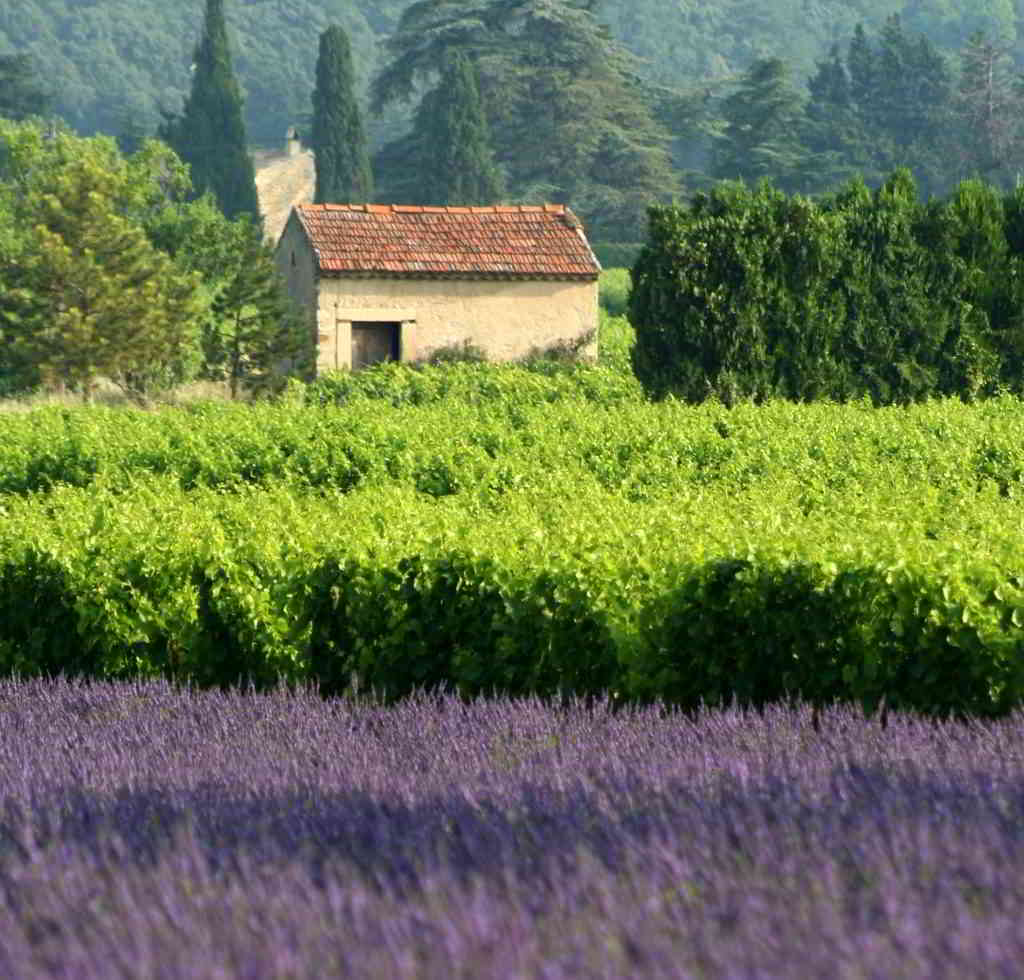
{"x": 153, "y": 832}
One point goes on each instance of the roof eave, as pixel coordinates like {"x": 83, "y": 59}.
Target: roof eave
{"x": 449, "y": 276}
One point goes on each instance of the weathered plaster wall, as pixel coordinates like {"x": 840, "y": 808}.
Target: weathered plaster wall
{"x": 506, "y": 319}
{"x": 296, "y": 262}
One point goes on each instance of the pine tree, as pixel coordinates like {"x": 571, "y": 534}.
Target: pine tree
{"x": 209, "y": 135}
{"x": 254, "y": 332}
{"x": 458, "y": 164}
{"x": 761, "y": 137}
{"x": 990, "y": 106}
{"x": 908, "y": 108}
{"x": 339, "y": 143}
{"x": 862, "y": 64}
{"x": 834, "y": 132}
{"x": 89, "y": 295}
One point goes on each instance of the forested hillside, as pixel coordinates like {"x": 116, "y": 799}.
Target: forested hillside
{"x": 108, "y": 58}
{"x": 111, "y": 61}
{"x": 605, "y": 104}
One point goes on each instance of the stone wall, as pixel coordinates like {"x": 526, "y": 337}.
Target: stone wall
{"x": 506, "y": 319}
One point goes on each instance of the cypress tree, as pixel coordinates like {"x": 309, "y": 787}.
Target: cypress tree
{"x": 339, "y": 143}
{"x": 458, "y": 162}
{"x": 209, "y": 135}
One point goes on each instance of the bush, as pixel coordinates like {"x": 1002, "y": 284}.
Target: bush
{"x": 613, "y": 293}
{"x": 752, "y": 294}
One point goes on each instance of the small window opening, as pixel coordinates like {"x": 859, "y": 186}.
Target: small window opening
{"x": 293, "y": 260}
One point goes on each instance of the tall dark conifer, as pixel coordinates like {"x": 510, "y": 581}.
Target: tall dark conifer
{"x": 339, "y": 143}
{"x": 834, "y": 133}
{"x": 458, "y": 162}
{"x": 761, "y": 137}
{"x": 570, "y": 119}
{"x": 862, "y": 64}
{"x": 209, "y": 135}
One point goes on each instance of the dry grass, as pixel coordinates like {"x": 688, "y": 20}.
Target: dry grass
{"x": 110, "y": 395}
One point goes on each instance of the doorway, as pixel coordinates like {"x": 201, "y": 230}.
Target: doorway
{"x": 373, "y": 343}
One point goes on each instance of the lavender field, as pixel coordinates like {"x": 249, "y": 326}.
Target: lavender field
{"x": 152, "y": 832}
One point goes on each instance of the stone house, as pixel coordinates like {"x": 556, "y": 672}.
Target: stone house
{"x": 390, "y": 282}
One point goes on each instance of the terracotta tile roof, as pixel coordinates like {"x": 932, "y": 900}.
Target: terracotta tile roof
{"x": 523, "y": 241}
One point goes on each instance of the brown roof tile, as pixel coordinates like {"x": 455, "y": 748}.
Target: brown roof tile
{"x": 521, "y": 241}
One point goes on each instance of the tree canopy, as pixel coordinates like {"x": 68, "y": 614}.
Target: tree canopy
{"x": 609, "y": 105}
{"x": 22, "y": 93}
{"x": 209, "y": 135}
{"x": 569, "y": 117}
{"x": 342, "y": 158}
{"x": 110, "y": 269}
{"x": 83, "y": 292}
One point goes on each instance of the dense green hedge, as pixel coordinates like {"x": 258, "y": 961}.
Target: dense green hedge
{"x": 751, "y": 293}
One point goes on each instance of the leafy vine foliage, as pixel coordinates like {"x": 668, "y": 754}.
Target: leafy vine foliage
{"x": 500, "y": 528}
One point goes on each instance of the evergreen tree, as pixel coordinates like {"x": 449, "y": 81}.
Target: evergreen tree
{"x": 209, "y": 135}
{"x": 569, "y": 118}
{"x": 339, "y": 143}
{"x": 862, "y": 64}
{"x": 86, "y": 294}
{"x": 131, "y": 133}
{"x": 458, "y": 164}
{"x": 762, "y": 132}
{"x": 21, "y": 95}
{"x": 990, "y": 106}
{"x": 908, "y": 109}
{"x": 254, "y": 333}
{"x": 834, "y": 132}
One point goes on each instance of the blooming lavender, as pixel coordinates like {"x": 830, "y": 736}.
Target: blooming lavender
{"x": 148, "y": 831}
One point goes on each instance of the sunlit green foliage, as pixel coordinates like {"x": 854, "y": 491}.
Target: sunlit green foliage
{"x": 107, "y": 268}
{"x": 83, "y": 292}
{"x": 500, "y": 528}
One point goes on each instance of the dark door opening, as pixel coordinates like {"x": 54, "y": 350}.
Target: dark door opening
{"x": 373, "y": 343}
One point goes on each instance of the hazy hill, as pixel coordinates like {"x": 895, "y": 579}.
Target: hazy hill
{"x": 108, "y": 60}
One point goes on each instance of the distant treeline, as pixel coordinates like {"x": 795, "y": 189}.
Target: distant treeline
{"x": 664, "y": 101}
{"x": 750, "y": 293}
